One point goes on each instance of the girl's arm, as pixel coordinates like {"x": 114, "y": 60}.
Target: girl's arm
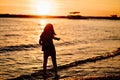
{"x": 56, "y": 38}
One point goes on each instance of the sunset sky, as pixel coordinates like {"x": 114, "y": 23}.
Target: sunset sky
{"x": 61, "y": 7}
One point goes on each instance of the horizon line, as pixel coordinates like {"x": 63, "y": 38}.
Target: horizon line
{"x": 115, "y": 17}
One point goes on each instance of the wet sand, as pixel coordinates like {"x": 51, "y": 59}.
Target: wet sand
{"x": 105, "y": 67}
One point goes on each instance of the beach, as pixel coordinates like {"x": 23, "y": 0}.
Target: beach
{"x": 88, "y": 48}
{"x": 106, "y": 67}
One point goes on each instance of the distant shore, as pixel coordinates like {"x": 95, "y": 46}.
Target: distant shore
{"x": 48, "y": 16}
{"x": 28, "y": 16}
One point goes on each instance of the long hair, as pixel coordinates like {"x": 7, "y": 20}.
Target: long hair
{"x": 49, "y": 29}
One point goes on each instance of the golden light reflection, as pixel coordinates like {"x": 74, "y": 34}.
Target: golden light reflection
{"x": 42, "y": 23}
{"x": 43, "y": 7}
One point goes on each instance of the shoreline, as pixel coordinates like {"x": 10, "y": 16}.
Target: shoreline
{"x": 38, "y": 75}
{"x": 49, "y": 16}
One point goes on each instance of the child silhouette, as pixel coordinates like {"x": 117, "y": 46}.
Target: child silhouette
{"x": 48, "y": 48}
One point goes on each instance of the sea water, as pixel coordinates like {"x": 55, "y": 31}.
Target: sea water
{"x": 21, "y": 54}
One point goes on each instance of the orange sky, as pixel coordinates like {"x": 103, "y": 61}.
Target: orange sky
{"x": 61, "y": 7}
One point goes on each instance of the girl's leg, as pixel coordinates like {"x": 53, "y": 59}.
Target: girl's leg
{"x": 53, "y": 56}
{"x": 45, "y": 61}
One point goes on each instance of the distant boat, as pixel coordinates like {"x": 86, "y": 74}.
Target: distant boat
{"x": 75, "y": 15}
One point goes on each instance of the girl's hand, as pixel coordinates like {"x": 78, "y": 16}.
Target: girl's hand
{"x": 56, "y": 38}
{"x": 40, "y": 42}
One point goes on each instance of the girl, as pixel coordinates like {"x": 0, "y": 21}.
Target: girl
{"x": 46, "y": 40}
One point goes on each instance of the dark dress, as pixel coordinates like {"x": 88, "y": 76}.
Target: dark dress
{"x": 47, "y": 41}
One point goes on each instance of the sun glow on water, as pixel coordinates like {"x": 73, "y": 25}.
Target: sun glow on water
{"x": 43, "y": 23}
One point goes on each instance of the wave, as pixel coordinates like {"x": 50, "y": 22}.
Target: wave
{"x": 18, "y": 48}
{"x": 39, "y": 73}
{"x": 113, "y": 38}
{"x": 28, "y": 46}
{"x": 93, "y": 59}
{"x": 12, "y": 35}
